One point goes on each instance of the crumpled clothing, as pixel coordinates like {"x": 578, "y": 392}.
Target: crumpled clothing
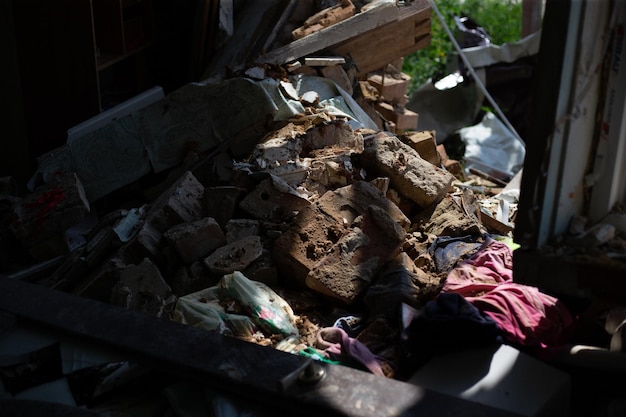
{"x": 450, "y": 322}
{"x": 337, "y": 345}
{"x": 526, "y": 316}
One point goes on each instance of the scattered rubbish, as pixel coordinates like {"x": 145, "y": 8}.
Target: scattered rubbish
{"x": 294, "y": 204}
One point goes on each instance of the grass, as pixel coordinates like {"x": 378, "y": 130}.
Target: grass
{"x": 502, "y": 19}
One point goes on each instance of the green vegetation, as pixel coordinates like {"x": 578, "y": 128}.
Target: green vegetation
{"x": 502, "y": 19}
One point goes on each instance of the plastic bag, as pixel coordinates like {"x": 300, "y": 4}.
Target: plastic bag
{"x": 266, "y": 308}
{"x": 202, "y": 309}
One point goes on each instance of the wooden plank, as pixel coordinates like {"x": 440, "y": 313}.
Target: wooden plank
{"x": 350, "y": 28}
{"x": 376, "y": 48}
{"x": 226, "y": 364}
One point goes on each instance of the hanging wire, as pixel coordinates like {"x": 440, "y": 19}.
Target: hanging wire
{"x": 469, "y": 66}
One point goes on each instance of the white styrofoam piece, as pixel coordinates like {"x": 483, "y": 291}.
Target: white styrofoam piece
{"x": 500, "y": 377}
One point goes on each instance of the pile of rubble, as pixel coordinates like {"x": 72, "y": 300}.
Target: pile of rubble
{"x": 322, "y": 222}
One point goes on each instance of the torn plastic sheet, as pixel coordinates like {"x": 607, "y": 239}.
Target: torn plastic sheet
{"x": 337, "y": 100}
{"x": 157, "y": 137}
{"x": 448, "y": 106}
{"x": 447, "y": 250}
{"x": 489, "y": 144}
{"x": 129, "y": 225}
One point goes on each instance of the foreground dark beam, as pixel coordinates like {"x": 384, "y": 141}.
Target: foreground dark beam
{"x": 228, "y": 365}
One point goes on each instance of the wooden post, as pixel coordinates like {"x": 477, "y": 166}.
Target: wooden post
{"x": 532, "y": 12}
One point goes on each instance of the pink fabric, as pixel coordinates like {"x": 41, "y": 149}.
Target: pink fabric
{"x": 484, "y": 271}
{"x": 336, "y": 343}
{"x": 527, "y": 316}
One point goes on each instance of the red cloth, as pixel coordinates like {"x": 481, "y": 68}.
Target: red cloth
{"x": 526, "y": 316}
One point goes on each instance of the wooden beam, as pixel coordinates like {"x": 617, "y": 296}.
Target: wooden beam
{"x": 353, "y": 27}
{"x": 375, "y": 49}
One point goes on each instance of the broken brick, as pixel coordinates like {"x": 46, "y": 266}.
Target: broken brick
{"x": 337, "y": 134}
{"x": 425, "y": 145}
{"x": 318, "y": 227}
{"x": 392, "y": 88}
{"x": 402, "y": 118}
{"x": 347, "y": 203}
{"x": 337, "y": 74}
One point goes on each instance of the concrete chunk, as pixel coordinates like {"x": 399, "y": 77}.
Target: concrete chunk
{"x": 235, "y": 256}
{"x": 410, "y": 174}
{"x": 448, "y": 218}
{"x": 346, "y": 203}
{"x": 309, "y": 237}
{"x": 196, "y": 239}
{"x": 181, "y": 203}
{"x": 319, "y": 227}
{"x": 267, "y": 202}
{"x": 239, "y": 228}
{"x": 142, "y": 288}
{"x": 347, "y": 270}
{"x": 221, "y": 202}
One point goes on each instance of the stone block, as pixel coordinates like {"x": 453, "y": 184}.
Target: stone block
{"x": 235, "y": 256}
{"x": 194, "y": 240}
{"x": 347, "y": 271}
{"x": 410, "y": 174}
